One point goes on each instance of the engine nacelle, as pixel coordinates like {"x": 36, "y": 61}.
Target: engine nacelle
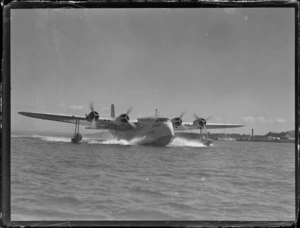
{"x": 92, "y": 115}
{"x": 201, "y": 122}
{"x": 124, "y": 118}
{"x": 177, "y": 121}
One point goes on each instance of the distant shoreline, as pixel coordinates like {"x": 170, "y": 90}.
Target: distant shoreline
{"x": 16, "y": 133}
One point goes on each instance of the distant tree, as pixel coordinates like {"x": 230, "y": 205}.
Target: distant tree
{"x": 277, "y": 134}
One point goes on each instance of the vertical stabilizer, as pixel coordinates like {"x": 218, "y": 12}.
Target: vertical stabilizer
{"x": 112, "y": 111}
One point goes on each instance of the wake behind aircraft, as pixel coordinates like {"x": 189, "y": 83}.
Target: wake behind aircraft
{"x": 151, "y": 130}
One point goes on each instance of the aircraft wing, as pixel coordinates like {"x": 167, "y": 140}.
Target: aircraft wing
{"x": 107, "y": 123}
{"x": 221, "y": 125}
{"x": 56, "y": 117}
{"x": 191, "y": 126}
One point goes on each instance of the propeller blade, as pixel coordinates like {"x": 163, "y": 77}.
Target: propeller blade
{"x": 92, "y": 106}
{"x": 182, "y": 114}
{"x": 93, "y": 124}
{"x": 196, "y": 116}
{"x": 208, "y": 118}
{"x": 132, "y": 124}
{"x": 129, "y": 110}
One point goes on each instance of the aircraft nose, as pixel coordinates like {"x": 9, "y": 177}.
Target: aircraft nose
{"x": 169, "y": 128}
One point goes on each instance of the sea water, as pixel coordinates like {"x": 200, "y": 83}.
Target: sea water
{"x": 54, "y": 179}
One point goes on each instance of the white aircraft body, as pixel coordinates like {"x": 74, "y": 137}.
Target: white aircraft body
{"x": 150, "y": 130}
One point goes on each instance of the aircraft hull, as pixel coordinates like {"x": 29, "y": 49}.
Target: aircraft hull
{"x": 162, "y": 141}
{"x": 154, "y": 134}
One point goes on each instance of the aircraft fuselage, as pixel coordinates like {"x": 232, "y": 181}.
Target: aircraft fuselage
{"x": 152, "y": 130}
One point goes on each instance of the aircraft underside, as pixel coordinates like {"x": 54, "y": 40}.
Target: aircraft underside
{"x": 143, "y": 139}
{"x": 160, "y": 135}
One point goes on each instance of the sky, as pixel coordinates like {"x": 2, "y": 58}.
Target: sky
{"x": 235, "y": 64}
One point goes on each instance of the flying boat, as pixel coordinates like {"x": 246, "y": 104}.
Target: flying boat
{"x": 150, "y": 130}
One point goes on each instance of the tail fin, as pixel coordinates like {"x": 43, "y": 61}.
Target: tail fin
{"x": 112, "y": 111}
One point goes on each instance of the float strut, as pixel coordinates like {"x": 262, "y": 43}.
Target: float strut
{"x": 77, "y": 137}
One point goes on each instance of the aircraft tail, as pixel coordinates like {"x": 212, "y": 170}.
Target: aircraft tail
{"x": 112, "y": 111}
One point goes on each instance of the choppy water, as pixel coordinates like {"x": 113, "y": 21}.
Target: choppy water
{"x": 53, "y": 179}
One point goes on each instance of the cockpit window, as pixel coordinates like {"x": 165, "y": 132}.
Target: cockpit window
{"x": 161, "y": 120}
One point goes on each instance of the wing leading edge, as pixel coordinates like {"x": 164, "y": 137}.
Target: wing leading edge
{"x": 110, "y": 123}
{"x": 107, "y": 123}
{"x": 191, "y": 126}
{"x": 55, "y": 117}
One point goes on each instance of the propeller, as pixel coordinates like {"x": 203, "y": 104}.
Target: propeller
{"x": 93, "y": 124}
{"x": 127, "y": 113}
{"x": 124, "y": 118}
{"x": 177, "y": 121}
{"x": 201, "y": 122}
{"x": 92, "y": 116}
{"x": 208, "y": 118}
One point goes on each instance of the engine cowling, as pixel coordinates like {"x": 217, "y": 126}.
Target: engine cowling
{"x": 92, "y": 115}
{"x": 124, "y": 118}
{"x": 177, "y": 121}
{"x": 201, "y": 123}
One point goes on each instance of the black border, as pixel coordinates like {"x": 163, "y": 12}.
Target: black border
{"x": 6, "y": 197}
{"x": 297, "y": 107}
{"x": 5, "y": 181}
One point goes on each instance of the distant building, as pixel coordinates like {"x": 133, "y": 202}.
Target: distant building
{"x": 260, "y": 138}
{"x": 244, "y": 138}
{"x": 270, "y": 138}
